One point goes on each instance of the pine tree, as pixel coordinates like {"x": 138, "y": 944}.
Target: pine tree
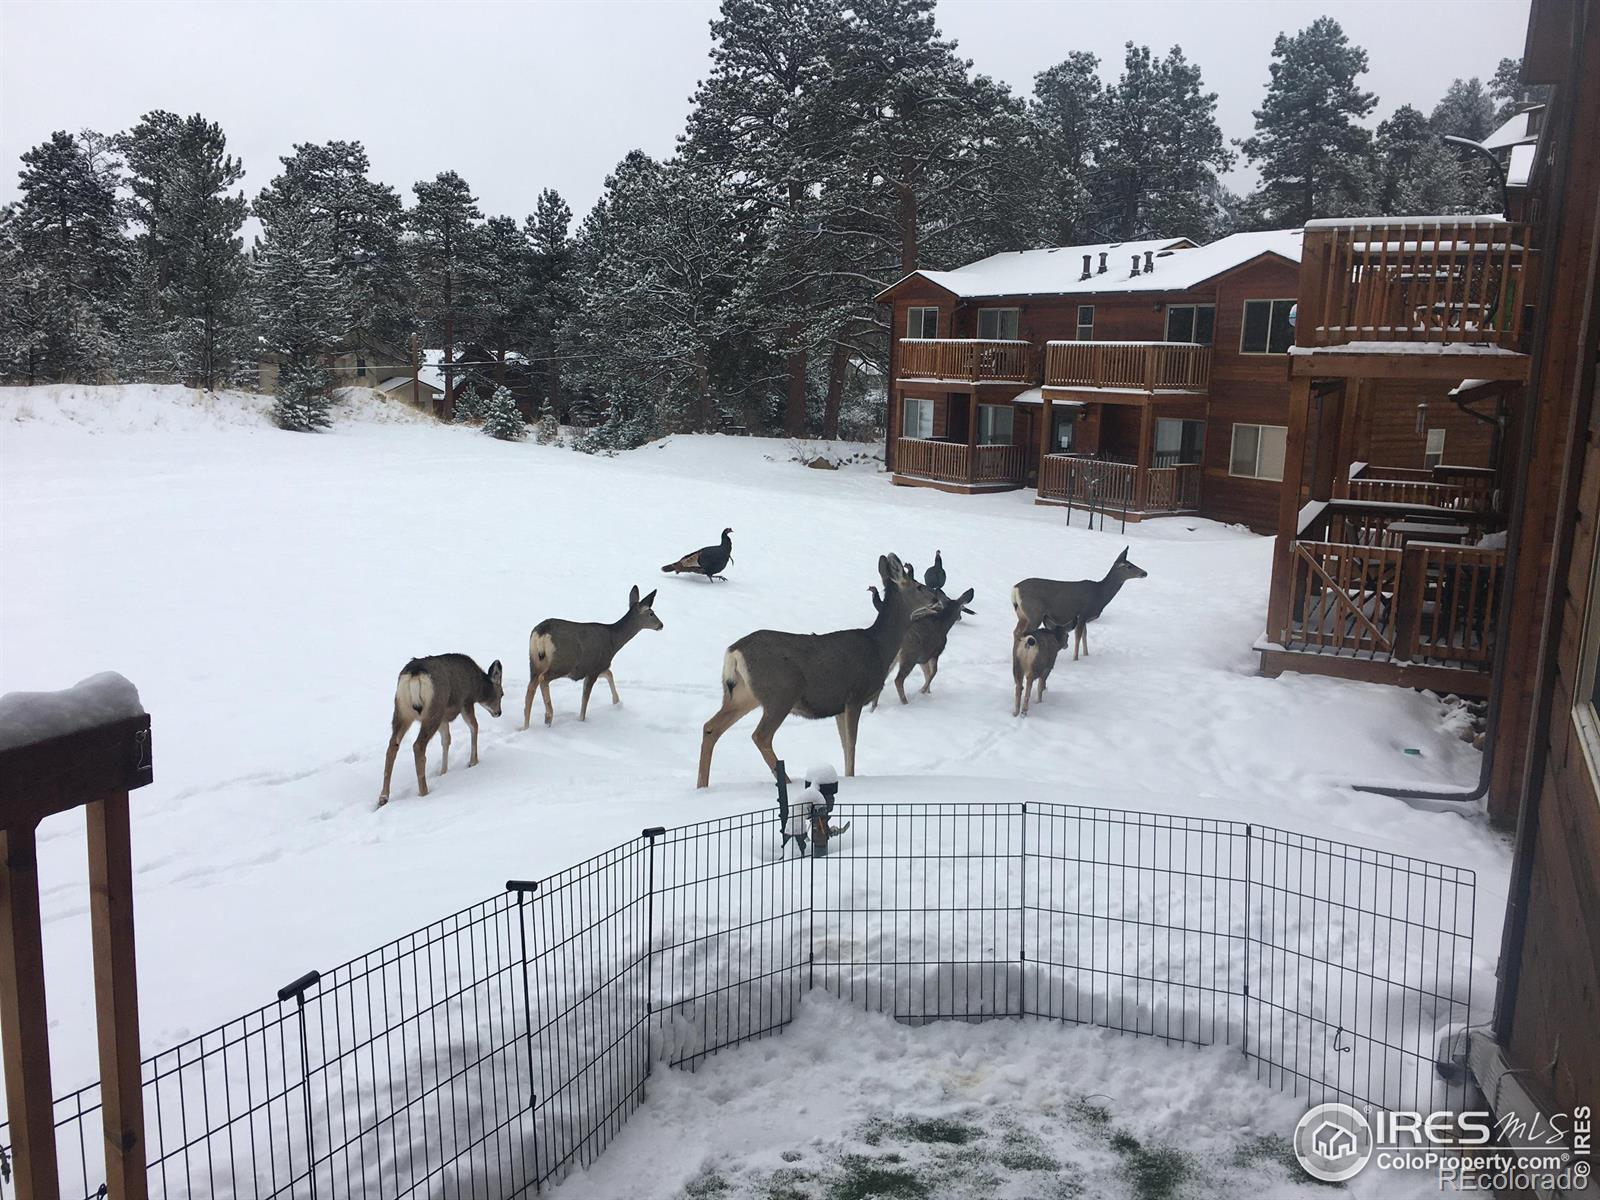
{"x": 498, "y": 277}
{"x": 1510, "y": 94}
{"x": 554, "y": 297}
{"x": 444, "y": 226}
{"x": 549, "y": 425}
{"x": 1161, "y": 151}
{"x": 1064, "y": 122}
{"x": 300, "y": 312}
{"x": 300, "y": 404}
{"x": 1467, "y": 110}
{"x": 1413, "y": 171}
{"x": 501, "y": 418}
{"x": 1308, "y": 144}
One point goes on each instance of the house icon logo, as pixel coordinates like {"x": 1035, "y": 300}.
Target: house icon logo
{"x": 1333, "y": 1142}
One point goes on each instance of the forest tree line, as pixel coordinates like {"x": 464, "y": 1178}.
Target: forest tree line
{"x": 830, "y": 150}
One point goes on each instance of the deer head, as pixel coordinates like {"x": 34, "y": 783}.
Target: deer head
{"x": 640, "y": 610}
{"x": 497, "y": 689}
{"x": 1122, "y": 569}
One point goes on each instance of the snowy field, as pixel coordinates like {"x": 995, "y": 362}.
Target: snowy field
{"x": 264, "y": 588}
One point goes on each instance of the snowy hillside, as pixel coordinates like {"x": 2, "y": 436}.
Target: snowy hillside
{"x": 263, "y": 589}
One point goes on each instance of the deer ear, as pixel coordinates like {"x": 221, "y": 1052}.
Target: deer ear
{"x": 1123, "y": 557}
{"x": 965, "y": 597}
{"x": 633, "y": 597}
{"x": 651, "y": 598}
{"x": 883, "y": 568}
{"x": 494, "y": 670}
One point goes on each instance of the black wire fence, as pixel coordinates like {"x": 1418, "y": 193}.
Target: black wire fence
{"x": 494, "y": 1051}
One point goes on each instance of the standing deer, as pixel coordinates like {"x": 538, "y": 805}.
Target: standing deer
{"x": 582, "y": 650}
{"x": 925, "y": 641}
{"x": 1073, "y": 603}
{"x": 1033, "y": 657}
{"x": 435, "y": 691}
{"x": 816, "y": 675}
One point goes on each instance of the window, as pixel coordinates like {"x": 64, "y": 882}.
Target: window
{"x": 998, "y": 324}
{"x": 1434, "y": 454}
{"x": 922, "y": 323}
{"x": 1191, "y": 322}
{"x": 1086, "y": 322}
{"x": 1066, "y": 428}
{"x": 1267, "y": 328}
{"x": 994, "y": 424}
{"x": 361, "y": 368}
{"x": 1178, "y": 442}
{"x": 1258, "y": 451}
{"x": 917, "y": 418}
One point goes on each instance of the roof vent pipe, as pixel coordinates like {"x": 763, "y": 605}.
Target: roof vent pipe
{"x": 1086, "y": 271}
{"x": 1135, "y": 264}
{"x": 1149, "y": 261}
{"x": 1102, "y": 262}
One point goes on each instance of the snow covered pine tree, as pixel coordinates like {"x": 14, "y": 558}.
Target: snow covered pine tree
{"x": 501, "y": 418}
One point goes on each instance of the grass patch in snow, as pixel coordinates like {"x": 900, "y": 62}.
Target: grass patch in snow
{"x": 1156, "y": 1172}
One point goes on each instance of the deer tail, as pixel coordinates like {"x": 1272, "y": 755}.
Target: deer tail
{"x": 414, "y": 693}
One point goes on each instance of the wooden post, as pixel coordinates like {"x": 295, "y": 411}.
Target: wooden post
{"x": 1141, "y": 476}
{"x": 416, "y": 388}
{"x": 1046, "y": 421}
{"x": 1294, "y": 453}
{"x": 24, "y": 1028}
{"x": 116, "y": 995}
{"x": 972, "y": 436}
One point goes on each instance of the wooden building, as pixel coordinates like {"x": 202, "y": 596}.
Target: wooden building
{"x": 1144, "y": 378}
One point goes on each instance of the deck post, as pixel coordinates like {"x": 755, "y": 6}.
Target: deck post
{"x": 1141, "y": 471}
{"x": 1046, "y": 415}
{"x": 24, "y": 1029}
{"x": 1294, "y": 454}
{"x": 972, "y": 437}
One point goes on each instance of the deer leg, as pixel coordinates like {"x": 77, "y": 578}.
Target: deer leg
{"x": 588, "y": 686}
{"x": 1016, "y": 702}
{"x": 397, "y": 730}
{"x": 419, "y": 751}
{"x": 1083, "y": 640}
{"x": 615, "y": 699}
{"x": 544, "y": 690}
{"x": 733, "y": 708}
{"x": 900, "y": 681}
{"x": 771, "y": 718}
{"x": 849, "y": 721}
{"x": 1027, "y": 693}
{"x": 527, "y": 703}
{"x": 444, "y": 741}
{"x": 929, "y": 670}
{"x": 470, "y": 715}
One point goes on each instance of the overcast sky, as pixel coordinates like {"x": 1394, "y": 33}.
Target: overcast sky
{"x": 521, "y": 96}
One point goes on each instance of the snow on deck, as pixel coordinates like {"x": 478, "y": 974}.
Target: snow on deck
{"x": 262, "y": 589}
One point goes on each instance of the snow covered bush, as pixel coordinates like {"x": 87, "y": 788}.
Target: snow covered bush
{"x": 549, "y": 427}
{"x": 470, "y": 406}
{"x": 501, "y": 418}
{"x": 302, "y": 399}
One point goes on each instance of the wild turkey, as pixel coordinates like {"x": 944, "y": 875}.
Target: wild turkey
{"x": 709, "y": 561}
{"x": 934, "y": 575}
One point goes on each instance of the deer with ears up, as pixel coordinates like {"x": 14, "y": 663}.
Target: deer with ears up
{"x": 816, "y": 675}
{"x": 435, "y": 691}
{"x": 1070, "y": 602}
{"x": 582, "y": 650}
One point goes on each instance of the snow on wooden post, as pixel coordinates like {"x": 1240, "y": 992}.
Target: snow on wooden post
{"x": 86, "y": 747}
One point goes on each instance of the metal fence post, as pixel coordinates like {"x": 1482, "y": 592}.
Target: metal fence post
{"x": 297, "y": 990}
{"x": 1022, "y": 921}
{"x": 523, "y": 889}
{"x": 650, "y": 835}
{"x": 1244, "y": 1003}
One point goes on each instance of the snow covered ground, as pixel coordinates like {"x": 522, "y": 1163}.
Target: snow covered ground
{"x": 262, "y": 589}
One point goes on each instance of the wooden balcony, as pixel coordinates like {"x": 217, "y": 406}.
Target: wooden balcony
{"x": 1368, "y": 600}
{"x": 1119, "y": 489}
{"x": 1445, "y": 289}
{"x": 1128, "y": 366}
{"x": 967, "y": 360}
{"x": 963, "y": 467}
{"x": 1468, "y": 489}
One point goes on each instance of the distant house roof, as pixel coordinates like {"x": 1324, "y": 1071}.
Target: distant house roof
{"x": 1178, "y": 266}
{"x": 404, "y": 381}
{"x": 1519, "y": 129}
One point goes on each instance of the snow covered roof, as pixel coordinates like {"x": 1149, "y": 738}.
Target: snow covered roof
{"x": 400, "y": 381}
{"x": 1519, "y": 128}
{"x": 1178, "y": 266}
{"x": 1520, "y": 169}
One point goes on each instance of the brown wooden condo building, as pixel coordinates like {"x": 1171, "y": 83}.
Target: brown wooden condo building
{"x": 1145, "y": 378}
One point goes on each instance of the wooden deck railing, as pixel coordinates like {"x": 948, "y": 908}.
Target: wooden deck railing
{"x": 1146, "y": 366}
{"x": 1398, "y": 279}
{"x": 1448, "y": 603}
{"x": 1468, "y": 488}
{"x": 1119, "y": 487}
{"x": 999, "y": 464}
{"x": 1343, "y": 598}
{"x": 1367, "y": 522}
{"x": 967, "y": 360}
{"x": 956, "y": 462}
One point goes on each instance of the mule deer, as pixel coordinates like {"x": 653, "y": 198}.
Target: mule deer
{"x": 925, "y": 641}
{"x": 815, "y": 675}
{"x": 582, "y": 650}
{"x": 1073, "y": 603}
{"x": 436, "y": 690}
{"x": 1033, "y": 657}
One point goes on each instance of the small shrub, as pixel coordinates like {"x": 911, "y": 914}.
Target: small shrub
{"x": 301, "y": 404}
{"x": 501, "y": 419}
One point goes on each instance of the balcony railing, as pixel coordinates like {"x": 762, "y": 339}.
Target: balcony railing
{"x": 1119, "y": 487}
{"x": 1470, "y": 489}
{"x": 1410, "y": 279}
{"x": 957, "y": 462}
{"x": 967, "y": 360}
{"x": 1144, "y": 366}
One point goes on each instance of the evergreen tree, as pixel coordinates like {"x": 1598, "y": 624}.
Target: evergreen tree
{"x": 300, "y": 312}
{"x": 444, "y": 226}
{"x": 180, "y": 174}
{"x": 1064, "y": 122}
{"x": 498, "y": 277}
{"x": 300, "y": 403}
{"x": 1510, "y": 94}
{"x": 1467, "y": 110}
{"x": 501, "y": 418}
{"x": 1308, "y": 144}
{"x": 63, "y": 263}
{"x": 1413, "y": 170}
{"x": 359, "y": 222}
{"x": 1161, "y": 151}
{"x": 549, "y": 426}
{"x": 552, "y": 290}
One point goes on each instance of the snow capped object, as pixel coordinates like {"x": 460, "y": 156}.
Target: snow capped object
{"x": 822, "y": 775}
{"x": 27, "y": 717}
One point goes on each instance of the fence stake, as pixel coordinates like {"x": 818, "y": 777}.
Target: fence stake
{"x": 523, "y": 888}
{"x": 651, "y": 835}
{"x": 1244, "y": 1004}
{"x": 1022, "y": 922}
{"x": 297, "y": 989}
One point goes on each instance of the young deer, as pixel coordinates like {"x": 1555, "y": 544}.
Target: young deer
{"x": 582, "y": 650}
{"x": 1033, "y": 657}
{"x": 815, "y": 675}
{"x": 435, "y": 691}
{"x": 925, "y": 641}
{"x": 1073, "y": 603}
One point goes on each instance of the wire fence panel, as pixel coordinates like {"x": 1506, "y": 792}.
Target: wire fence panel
{"x": 493, "y": 1052}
